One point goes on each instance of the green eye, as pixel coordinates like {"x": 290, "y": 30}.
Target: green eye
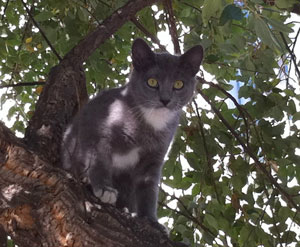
{"x": 152, "y": 82}
{"x": 178, "y": 84}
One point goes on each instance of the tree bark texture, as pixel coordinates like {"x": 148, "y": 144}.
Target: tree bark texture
{"x": 41, "y": 205}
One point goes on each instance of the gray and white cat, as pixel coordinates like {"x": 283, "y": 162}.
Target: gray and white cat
{"x": 119, "y": 139}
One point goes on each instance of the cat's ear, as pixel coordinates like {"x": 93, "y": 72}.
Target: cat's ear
{"x": 192, "y": 59}
{"x": 142, "y": 56}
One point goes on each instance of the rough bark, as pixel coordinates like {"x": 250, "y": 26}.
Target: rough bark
{"x": 3, "y": 238}
{"x": 65, "y": 91}
{"x": 41, "y": 205}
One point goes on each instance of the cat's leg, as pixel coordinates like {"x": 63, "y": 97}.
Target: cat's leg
{"x": 99, "y": 171}
{"x": 126, "y": 191}
{"x": 147, "y": 195}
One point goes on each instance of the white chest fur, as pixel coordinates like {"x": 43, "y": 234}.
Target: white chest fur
{"x": 128, "y": 160}
{"x": 158, "y": 118}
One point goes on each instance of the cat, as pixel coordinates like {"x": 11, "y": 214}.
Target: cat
{"x": 118, "y": 141}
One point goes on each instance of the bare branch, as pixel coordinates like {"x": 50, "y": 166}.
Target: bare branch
{"x": 147, "y": 33}
{"x": 22, "y": 84}
{"x": 172, "y": 25}
{"x": 5, "y": 8}
{"x": 41, "y": 31}
{"x": 188, "y": 215}
{"x": 293, "y": 57}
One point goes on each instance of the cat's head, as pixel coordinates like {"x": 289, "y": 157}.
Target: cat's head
{"x": 162, "y": 80}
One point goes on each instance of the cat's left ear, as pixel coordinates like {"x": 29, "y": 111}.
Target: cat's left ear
{"x": 142, "y": 56}
{"x": 192, "y": 59}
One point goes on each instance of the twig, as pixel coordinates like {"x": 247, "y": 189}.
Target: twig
{"x": 243, "y": 69}
{"x": 172, "y": 25}
{"x": 293, "y": 57}
{"x": 290, "y": 67}
{"x": 41, "y": 31}
{"x": 208, "y": 156}
{"x": 238, "y": 106}
{"x": 251, "y": 154}
{"x": 5, "y": 8}
{"x": 189, "y": 216}
{"x": 22, "y": 84}
{"x": 147, "y": 33}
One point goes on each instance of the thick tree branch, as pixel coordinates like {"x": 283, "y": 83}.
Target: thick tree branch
{"x": 42, "y": 204}
{"x": 109, "y": 26}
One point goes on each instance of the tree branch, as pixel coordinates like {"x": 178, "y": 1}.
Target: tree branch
{"x": 147, "y": 33}
{"x": 293, "y": 57}
{"x": 42, "y": 204}
{"x": 5, "y": 8}
{"x": 109, "y": 26}
{"x": 252, "y": 155}
{"x": 172, "y": 25}
{"x": 41, "y": 31}
{"x": 22, "y": 84}
{"x": 188, "y": 215}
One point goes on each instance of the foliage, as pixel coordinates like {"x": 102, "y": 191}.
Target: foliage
{"x": 230, "y": 152}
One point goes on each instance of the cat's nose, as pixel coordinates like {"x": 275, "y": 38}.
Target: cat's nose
{"x": 165, "y": 101}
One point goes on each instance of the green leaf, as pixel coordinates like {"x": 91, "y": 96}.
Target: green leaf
{"x": 212, "y": 221}
{"x": 279, "y": 26}
{"x": 231, "y": 12}
{"x": 263, "y": 32}
{"x": 211, "y": 8}
{"x": 43, "y": 16}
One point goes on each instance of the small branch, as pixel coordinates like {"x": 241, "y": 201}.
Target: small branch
{"x": 252, "y": 155}
{"x": 22, "y": 84}
{"x": 5, "y": 8}
{"x": 208, "y": 156}
{"x": 188, "y": 215}
{"x": 172, "y": 25}
{"x": 243, "y": 69}
{"x": 238, "y": 106}
{"x": 41, "y": 31}
{"x": 147, "y": 33}
{"x": 293, "y": 57}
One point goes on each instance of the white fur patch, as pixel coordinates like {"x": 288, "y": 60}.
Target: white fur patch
{"x": 67, "y": 132}
{"x": 123, "y": 161}
{"x": 124, "y": 91}
{"x": 107, "y": 195}
{"x": 115, "y": 112}
{"x": 157, "y": 118}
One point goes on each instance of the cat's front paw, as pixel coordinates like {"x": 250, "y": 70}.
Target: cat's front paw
{"x": 107, "y": 195}
{"x": 161, "y": 228}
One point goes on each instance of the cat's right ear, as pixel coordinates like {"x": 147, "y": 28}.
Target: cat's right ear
{"x": 142, "y": 56}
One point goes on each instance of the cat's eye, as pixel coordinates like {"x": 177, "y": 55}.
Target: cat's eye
{"x": 178, "y": 84}
{"x": 152, "y": 82}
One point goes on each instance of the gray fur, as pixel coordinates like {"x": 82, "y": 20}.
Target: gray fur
{"x": 119, "y": 139}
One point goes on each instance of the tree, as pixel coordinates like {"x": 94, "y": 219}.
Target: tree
{"x": 234, "y": 164}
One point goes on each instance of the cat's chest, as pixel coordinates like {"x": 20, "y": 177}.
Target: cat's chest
{"x": 135, "y": 134}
